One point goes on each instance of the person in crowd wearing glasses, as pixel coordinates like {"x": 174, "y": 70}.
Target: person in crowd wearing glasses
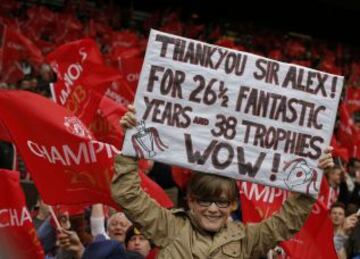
{"x": 204, "y": 231}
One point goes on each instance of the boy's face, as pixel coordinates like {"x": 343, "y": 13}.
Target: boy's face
{"x": 209, "y": 215}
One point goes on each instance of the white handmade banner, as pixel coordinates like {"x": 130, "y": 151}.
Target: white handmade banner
{"x": 232, "y": 113}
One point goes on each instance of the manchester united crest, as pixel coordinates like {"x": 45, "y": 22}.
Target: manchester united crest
{"x": 76, "y": 127}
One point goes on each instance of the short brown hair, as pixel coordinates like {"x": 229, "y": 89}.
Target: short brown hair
{"x": 207, "y": 186}
{"x": 337, "y": 204}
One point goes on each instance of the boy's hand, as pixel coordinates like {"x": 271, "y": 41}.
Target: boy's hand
{"x": 128, "y": 121}
{"x": 326, "y": 159}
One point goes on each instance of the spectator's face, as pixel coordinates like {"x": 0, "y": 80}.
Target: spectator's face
{"x": 25, "y": 84}
{"x": 212, "y": 217}
{"x": 355, "y": 168}
{"x": 337, "y": 216}
{"x": 45, "y": 73}
{"x": 117, "y": 227}
{"x": 140, "y": 244}
{"x": 335, "y": 176}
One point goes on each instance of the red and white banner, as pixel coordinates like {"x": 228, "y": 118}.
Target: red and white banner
{"x": 17, "y": 233}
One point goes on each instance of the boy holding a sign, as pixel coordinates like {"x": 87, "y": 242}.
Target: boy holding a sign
{"x": 204, "y": 231}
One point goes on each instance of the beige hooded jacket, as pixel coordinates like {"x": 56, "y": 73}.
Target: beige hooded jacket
{"x": 179, "y": 237}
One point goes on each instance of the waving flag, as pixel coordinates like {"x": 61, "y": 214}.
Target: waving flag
{"x": 68, "y": 165}
{"x": 82, "y": 78}
{"x": 17, "y": 233}
{"x": 17, "y": 48}
{"x": 105, "y": 126}
{"x": 348, "y": 133}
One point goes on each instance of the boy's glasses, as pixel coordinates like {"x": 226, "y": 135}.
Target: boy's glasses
{"x": 207, "y": 202}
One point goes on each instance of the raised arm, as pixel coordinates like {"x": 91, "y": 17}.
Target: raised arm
{"x": 97, "y": 220}
{"x": 287, "y": 222}
{"x": 157, "y": 223}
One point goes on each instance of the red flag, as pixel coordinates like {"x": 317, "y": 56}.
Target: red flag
{"x": 260, "y": 201}
{"x": 82, "y": 78}
{"x": 99, "y": 30}
{"x": 41, "y": 14}
{"x": 181, "y": 176}
{"x": 91, "y": 30}
{"x": 16, "y": 228}
{"x": 315, "y": 239}
{"x": 348, "y": 134}
{"x": 41, "y": 21}
{"x": 131, "y": 68}
{"x": 18, "y": 47}
{"x": 295, "y": 48}
{"x": 276, "y": 54}
{"x": 67, "y": 28}
{"x": 120, "y": 92}
{"x": 1, "y": 76}
{"x": 118, "y": 53}
{"x": 125, "y": 39}
{"x": 173, "y": 27}
{"x": 353, "y": 98}
{"x": 339, "y": 151}
{"x": 105, "y": 126}
{"x": 329, "y": 66}
{"x": 226, "y": 42}
{"x": 45, "y": 46}
{"x": 12, "y": 73}
{"x": 354, "y": 78}
{"x": 66, "y": 163}
{"x": 4, "y": 133}
{"x": 194, "y": 31}
{"x": 304, "y": 63}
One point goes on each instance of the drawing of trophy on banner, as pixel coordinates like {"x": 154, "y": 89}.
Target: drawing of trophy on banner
{"x": 298, "y": 173}
{"x": 145, "y": 140}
